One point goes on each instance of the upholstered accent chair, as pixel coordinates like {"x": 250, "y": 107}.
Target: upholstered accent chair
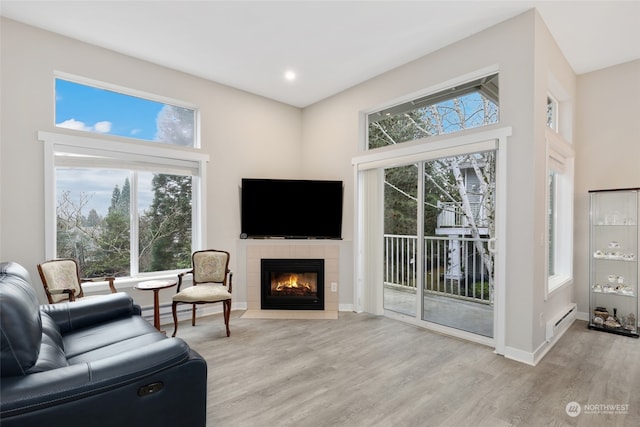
{"x": 62, "y": 282}
{"x": 212, "y": 282}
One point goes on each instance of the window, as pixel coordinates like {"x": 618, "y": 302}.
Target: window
{"x": 105, "y": 109}
{"x": 465, "y": 106}
{"x": 552, "y": 210}
{"x": 122, "y": 208}
{"x": 552, "y": 113}
{"x": 559, "y": 211}
{"x": 560, "y": 166}
{"x": 94, "y": 219}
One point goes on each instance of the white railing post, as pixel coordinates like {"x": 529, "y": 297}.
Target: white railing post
{"x": 401, "y": 266}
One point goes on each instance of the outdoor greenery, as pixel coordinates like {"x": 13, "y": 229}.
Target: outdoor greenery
{"x": 446, "y": 181}
{"x": 441, "y": 184}
{"x": 102, "y": 244}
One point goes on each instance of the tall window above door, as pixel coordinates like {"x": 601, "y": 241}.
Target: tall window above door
{"x": 109, "y": 110}
{"x": 465, "y": 106}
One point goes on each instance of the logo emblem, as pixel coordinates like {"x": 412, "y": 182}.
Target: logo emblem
{"x": 573, "y": 409}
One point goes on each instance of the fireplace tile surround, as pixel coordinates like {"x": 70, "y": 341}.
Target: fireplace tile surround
{"x": 256, "y": 251}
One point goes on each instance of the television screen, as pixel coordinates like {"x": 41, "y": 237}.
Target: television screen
{"x": 296, "y": 209}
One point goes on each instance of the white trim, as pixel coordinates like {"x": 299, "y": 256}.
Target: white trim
{"x": 465, "y": 78}
{"x": 458, "y": 333}
{"x": 346, "y": 307}
{"x": 125, "y": 91}
{"x": 560, "y": 159}
{"x": 136, "y": 155}
{"x": 447, "y": 145}
{"x": 122, "y": 90}
{"x": 520, "y": 355}
{"x": 430, "y": 148}
{"x": 49, "y": 201}
{"x": 92, "y": 145}
{"x": 500, "y": 271}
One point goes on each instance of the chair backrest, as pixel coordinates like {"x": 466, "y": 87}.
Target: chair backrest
{"x": 210, "y": 266}
{"x": 60, "y": 274}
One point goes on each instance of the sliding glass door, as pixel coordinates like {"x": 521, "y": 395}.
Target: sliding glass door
{"x": 401, "y": 239}
{"x": 439, "y": 222}
{"x": 459, "y": 198}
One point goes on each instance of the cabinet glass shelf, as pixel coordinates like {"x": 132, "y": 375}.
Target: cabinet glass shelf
{"x": 613, "y": 276}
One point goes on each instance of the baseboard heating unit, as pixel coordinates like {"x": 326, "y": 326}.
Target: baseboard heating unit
{"x": 561, "y": 322}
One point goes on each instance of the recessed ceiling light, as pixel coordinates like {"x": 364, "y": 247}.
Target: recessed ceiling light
{"x": 290, "y": 75}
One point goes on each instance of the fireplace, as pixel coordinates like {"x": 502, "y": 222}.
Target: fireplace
{"x": 292, "y": 284}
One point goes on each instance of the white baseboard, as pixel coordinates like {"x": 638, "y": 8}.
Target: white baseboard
{"x": 519, "y": 355}
{"x": 581, "y": 315}
{"x": 345, "y": 307}
{"x": 533, "y": 358}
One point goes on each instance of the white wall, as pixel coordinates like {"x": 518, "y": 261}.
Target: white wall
{"x": 607, "y": 150}
{"x": 553, "y": 75}
{"x": 245, "y": 135}
{"x": 530, "y": 65}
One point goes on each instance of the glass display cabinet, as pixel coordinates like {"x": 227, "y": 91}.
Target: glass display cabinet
{"x": 613, "y": 295}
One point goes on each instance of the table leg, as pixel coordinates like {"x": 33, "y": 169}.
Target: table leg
{"x": 156, "y": 309}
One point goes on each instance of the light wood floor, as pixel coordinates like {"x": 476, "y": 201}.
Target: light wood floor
{"x": 363, "y": 370}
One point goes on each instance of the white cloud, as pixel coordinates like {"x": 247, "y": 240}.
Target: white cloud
{"x": 99, "y": 127}
{"x": 135, "y": 131}
{"x": 73, "y": 124}
{"x": 102, "y": 127}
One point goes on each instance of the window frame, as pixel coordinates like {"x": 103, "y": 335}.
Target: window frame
{"x": 482, "y": 82}
{"x": 555, "y": 106}
{"x": 560, "y": 160}
{"x": 126, "y": 92}
{"x": 165, "y": 157}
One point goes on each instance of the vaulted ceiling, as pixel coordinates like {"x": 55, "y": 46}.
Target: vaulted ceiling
{"x": 328, "y": 45}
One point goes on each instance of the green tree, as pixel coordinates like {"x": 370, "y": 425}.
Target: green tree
{"x": 112, "y": 254}
{"x": 444, "y": 180}
{"x": 166, "y": 228}
{"x": 93, "y": 219}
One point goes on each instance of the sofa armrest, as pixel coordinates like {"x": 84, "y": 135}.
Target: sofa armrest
{"x": 31, "y": 393}
{"x": 88, "y": 311}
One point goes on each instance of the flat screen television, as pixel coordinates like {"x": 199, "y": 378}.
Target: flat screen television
{"x": 293, "y": 209}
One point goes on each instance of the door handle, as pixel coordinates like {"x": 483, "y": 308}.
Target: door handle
{"x": 491, "y": 245}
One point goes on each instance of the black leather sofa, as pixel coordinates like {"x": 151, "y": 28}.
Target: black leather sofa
{"x": 93, "y": 362}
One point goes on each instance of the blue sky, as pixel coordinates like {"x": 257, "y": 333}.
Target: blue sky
{"x": 97, "y": 110}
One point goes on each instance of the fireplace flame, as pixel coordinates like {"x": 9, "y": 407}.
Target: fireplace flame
{"x": 292, "y": 283}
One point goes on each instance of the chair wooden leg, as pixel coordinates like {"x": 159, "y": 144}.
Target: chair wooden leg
{"x": 227, "y": 313}
{"x": 193, "y": 316}
{"x": 175, "y": 318}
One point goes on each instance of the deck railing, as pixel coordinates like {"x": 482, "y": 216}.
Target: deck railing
{"x": 453, "y": 266}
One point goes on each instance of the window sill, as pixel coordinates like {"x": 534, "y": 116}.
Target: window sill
{"x": 130, "y": 282}
{"x": 557, "y": 282}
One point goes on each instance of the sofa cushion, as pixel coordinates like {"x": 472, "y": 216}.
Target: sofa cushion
{"x": 117, "y": 348}
{"x": 52, "y": 348}
{"x": 20, "y": 322}
{"x": 104, "y": 338}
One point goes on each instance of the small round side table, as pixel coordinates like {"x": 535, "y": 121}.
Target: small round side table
{"x": 155, "y": 286}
